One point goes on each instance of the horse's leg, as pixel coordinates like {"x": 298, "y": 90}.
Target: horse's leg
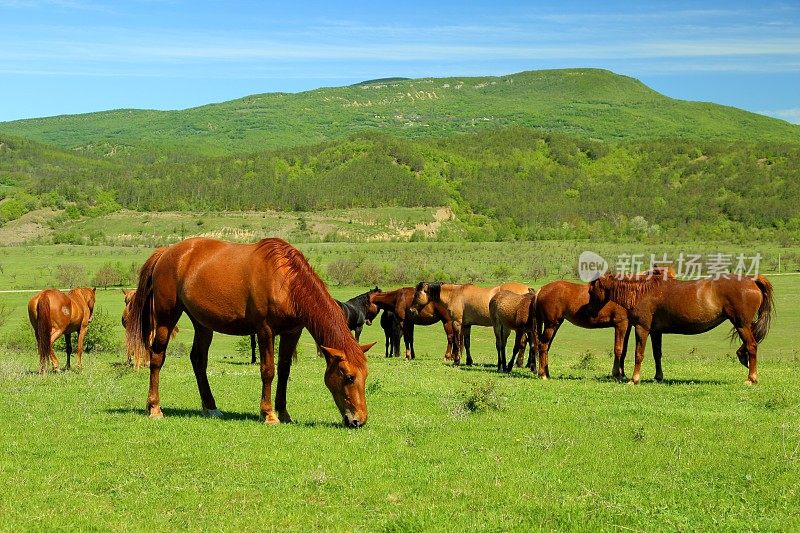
{"x": 499, "y": 343}
{"x": 68, "y": 345}
{"x": 54, "y": 335}
{"x": 641, "y": 343}
{"x": 749, "y": 349}
{"x": 358, "y": 332}
{"x": 448, "y": 331}
{"x": 520, "y": 341}
{"x": 465, "y": 335}
{"x": 252, "y": 349}
{"x": 458, "y": 341}
{"x": 266, "y": 348}
{"x": 79, "y": 351}
{"x": 387, "y": 342}
{"x": 620, "y": 333}
{"x": 199, "y": 358}
{"x": 158, "y": 352}
{"x": 405, "y": 325}
{"x": 656, "y": 336}
{"x": 410, "y": 334}
{"x": 549, "y": 333}
{"x": 286, "y": 350}
{"x": 519, "y": 352}
{"x": 624, "y": 351}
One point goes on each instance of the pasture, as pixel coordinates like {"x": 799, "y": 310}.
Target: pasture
{"x": 444, "y": 449}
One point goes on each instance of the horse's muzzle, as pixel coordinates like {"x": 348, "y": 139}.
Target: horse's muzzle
{"x": 352, "y": 422}
{"x": 412, "y": 313}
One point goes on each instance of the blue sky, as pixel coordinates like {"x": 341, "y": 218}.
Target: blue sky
{"x": 72, "y": 56}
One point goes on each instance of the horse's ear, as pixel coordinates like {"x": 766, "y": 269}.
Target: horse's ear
{"x": 94, "y": 290}
{"x": 332, "y": 353}
{"x": 365, "y": 347}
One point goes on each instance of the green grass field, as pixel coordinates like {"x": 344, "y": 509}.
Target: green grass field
{"x": 444, "y": 449}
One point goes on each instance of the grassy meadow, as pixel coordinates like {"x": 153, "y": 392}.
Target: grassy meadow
{"x": 444, "y": 449}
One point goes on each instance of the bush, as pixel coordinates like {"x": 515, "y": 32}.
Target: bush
{"x": 112, "y": 275}
{"x": 342, "y": 271}
{"x": 480, "y": 397}
{"x": 70, "y": 275}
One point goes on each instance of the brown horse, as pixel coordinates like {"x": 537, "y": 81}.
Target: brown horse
{"x": 398, "y": 302}
{"x": 513, "y": 312}
{"x": 562, "y": 300}
{"x": 660, "y": 304}
{"x": 52, "y": 314}
{"x": 467, "y": 305}
{"x": 267, "y": 288}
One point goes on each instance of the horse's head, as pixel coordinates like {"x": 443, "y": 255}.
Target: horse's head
{"x": 345, "y": 377}
{"x": 422, "y": 296}
{"x": 128, "y": 294}
{"x": 372, "y": 308}
{"x": 599, "y": 293}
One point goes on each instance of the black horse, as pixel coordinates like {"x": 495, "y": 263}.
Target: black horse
{"x": 392, "y": 331}
{"x": 359, "y": 311}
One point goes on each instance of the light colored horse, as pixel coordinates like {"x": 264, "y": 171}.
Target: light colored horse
{"x": 52, "y": 314}
{"x": 467, "y": 305}
{"x": 513, "y": 312}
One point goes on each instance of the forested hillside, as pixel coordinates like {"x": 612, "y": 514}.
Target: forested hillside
{"x": 581, "y": 103}
{"x": 502, "y": 183}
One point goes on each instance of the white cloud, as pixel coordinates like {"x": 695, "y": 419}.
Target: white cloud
{"x": 789, "y": 115}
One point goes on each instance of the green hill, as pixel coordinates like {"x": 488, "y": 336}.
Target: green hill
{"x": 583, "y": 103}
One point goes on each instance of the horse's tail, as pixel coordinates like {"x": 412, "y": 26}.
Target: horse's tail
{"x": 766, "y": 311}
{"x": 140, "y": 311}
{"x": 533, "y": 326}
{"x": 43, "y": 327}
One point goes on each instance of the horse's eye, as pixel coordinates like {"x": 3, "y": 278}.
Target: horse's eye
{"x": 349, "y": 378}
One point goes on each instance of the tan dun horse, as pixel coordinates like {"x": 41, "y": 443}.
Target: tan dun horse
{"x": 52, "y": 314}
{"x": 513, "y": 312}
{"x": 398, "y": 302}
{"x": 265, "y": 288}
{"x": 467, "y": 305}
{"x": 661, "y": 304}
{"x": 565, "y": 300}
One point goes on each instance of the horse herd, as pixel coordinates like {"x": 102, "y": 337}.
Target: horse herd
{"x": 268, "y": 290}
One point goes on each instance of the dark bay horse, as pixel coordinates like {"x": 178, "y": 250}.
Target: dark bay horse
{"x": 265, "y": 288}
{"x": 467, "y": 306}
{"x": 565, "y": 300}
{"x": 660, "y": 304}
{"x": 398, "y": 302}
{"x": 391, "y": 332}
{"x": 359, "y": 311}
{"x": 52, "y": 314}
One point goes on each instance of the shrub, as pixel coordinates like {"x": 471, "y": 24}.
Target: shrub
{"x": 111, "y": 275}
{"x": 480, "y": 397}
{"x": 70, "y": 275}
{"x": 101, "y": 337}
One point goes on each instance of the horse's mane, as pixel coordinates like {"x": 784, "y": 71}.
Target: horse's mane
{"x": 310, "y": 298}
{"x": 362, "y": 299}
{"x": 434, "y": 289}
{"x": 627, "y": 289}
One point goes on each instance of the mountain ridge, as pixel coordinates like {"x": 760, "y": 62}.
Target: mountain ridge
{"x": 584, "y": 103}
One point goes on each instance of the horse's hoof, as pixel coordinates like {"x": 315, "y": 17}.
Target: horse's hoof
{"x": 156, "y": 415}
{"x": 213, "y": 413}
{"x": 271, "y": 419}
{"x": 284, "y": 418}
{"x": 751, "y": 381}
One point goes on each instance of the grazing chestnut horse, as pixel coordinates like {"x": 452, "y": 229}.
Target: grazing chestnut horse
{"x": 562, "y": 300}
{"x": 467, "y": 305}
{"x": 398, "y": 301}
{"x": 392, "y": 333}
{"x": 267, "y": 288}
{"x": 513, "y": 312}
{"x": 660, "y": 304}
{"x": 52, "y": 314}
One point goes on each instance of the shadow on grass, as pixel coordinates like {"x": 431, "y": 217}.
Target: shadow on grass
{"x": 492, "y": 369}
{"x": 185, "y": 413}
{"x": 609, "y": 379}
{"x": 179, "y": 412}
{"x": 239, "y": 363}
